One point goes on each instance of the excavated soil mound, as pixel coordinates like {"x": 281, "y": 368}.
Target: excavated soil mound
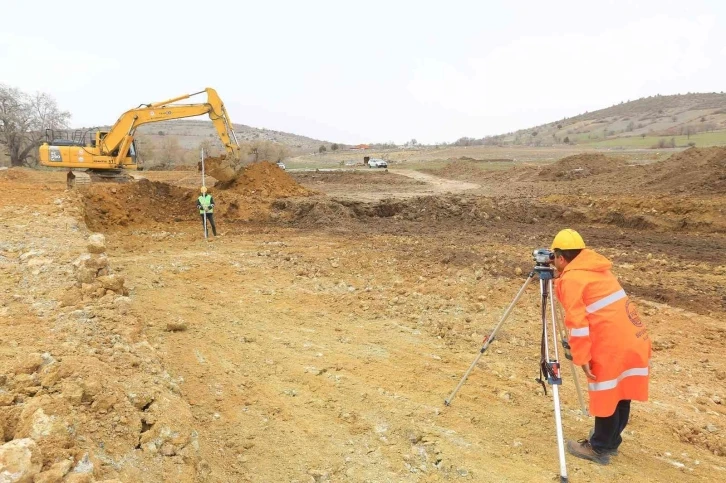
{"x": 15, "y": 174}
{"x": 247, "y": 197}
{"x": 695, "y": 170}
{"x": 430, "y": 210}
{"x": 108, "y": 206}
{"x": 263, "y": 179}
{"x": 654, "y": 213}
{"x": 580, "y": 166}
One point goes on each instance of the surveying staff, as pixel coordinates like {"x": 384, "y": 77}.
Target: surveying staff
{"x": 607, "y": 339}
{"x": 205, "y": 204}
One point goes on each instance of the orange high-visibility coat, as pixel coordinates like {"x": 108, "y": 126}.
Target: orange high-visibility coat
{"x": 605, "y": 330}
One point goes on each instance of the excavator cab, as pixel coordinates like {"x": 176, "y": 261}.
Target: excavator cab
{"x": 57, "y": 137}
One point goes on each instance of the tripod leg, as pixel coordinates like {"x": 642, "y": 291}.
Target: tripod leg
{"x": 560, "y": 437}
{"x": 489, "y": 340}
{"x": 568, "y": 356}
{"x": 552, "y": 366}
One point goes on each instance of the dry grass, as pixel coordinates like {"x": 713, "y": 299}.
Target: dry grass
{"x": 433, "y": 158}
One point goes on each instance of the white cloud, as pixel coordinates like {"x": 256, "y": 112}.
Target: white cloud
{"x": 37, "y": 64}
{"x": 566, "y": 70}
{"x": 396, "y": 70}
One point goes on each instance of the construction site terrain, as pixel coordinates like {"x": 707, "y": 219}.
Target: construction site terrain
{"x": 317, "y": 337}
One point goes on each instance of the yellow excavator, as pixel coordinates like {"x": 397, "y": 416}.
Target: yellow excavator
{"x": 109, "y": 155}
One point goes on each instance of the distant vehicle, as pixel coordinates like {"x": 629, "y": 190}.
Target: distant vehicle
{"x": 280, "y": 165}
{"x": 377, "y": 163}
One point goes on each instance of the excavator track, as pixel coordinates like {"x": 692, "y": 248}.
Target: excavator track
{"x": 89, "y": 176}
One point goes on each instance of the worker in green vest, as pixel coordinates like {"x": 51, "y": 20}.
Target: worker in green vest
{"x": 205, "y": 204}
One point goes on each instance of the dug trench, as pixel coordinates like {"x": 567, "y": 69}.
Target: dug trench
{"x": 323, "y": 335}
{"x": 317, "y": 339}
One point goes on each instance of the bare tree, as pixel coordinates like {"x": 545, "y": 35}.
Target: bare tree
{"x": 145, "y": 149}
{"x": 169, "y": 152}
{"x": 209, "y": 148}
{"x": 24, "y": 119}
{"x": 282, "y": 152}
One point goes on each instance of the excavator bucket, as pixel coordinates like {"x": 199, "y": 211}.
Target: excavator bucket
{"x": 219, "y": 168}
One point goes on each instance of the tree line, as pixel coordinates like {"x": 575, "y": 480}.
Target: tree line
{"x": 24, "y": 117}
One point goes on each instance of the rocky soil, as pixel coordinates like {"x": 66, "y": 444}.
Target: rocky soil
{"x": 83, "y": 395}
{"x": 317, "y": 338}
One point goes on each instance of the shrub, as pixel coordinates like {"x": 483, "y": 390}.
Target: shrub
{"x": 660, "y": 144}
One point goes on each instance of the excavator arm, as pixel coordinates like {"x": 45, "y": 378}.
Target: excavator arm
{"x": 119, "y": 138}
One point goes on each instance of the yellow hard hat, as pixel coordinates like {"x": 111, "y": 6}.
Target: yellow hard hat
{"x": 568, "y": 240}
{"x": 203, "y": 189}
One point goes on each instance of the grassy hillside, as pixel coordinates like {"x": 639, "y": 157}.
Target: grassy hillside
{"x": 191, "y": 133}
{"x": 172, "y": 143}
{"x": 645, "y": 123}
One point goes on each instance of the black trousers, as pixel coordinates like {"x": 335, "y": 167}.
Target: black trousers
{"x": 210, "y": 219}
{"x": 607, "y": 430}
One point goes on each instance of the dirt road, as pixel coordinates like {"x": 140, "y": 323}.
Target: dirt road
{"x": 376, "y": 185}
{"x": 435, "y": 184}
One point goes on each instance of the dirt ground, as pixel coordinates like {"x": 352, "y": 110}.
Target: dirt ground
{"x": 317, "y": 338}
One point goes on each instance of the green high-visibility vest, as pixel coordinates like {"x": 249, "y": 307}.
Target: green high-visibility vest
{"x": 205, "y": 201}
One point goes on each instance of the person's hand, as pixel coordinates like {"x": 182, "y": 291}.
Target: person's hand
{"x": 588, "y": 372}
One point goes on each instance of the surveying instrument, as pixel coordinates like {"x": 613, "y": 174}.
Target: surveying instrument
{"x": 549, "y": 361}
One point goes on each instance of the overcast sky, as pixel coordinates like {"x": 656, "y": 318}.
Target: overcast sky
{"x": 369, "y": 71}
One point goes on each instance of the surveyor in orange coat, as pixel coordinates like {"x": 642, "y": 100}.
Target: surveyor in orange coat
{"x": 607, "y": 339}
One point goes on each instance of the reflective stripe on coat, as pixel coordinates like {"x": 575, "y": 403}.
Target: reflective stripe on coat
{"x": 604, "y": 329}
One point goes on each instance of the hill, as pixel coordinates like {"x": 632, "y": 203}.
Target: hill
{"x": 167, "y": 144}
{"x": 651, "y": 122}
{"x": 190, "y": 133}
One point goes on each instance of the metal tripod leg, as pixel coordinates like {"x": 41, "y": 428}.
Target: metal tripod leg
{"x": 560, "y": 436}
{"x": 568, "y": 356}
{"x": 555, "y": 378}
{"x": 489, "y": 339}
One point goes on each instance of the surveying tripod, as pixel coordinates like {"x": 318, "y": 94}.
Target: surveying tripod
{"x": 549, "y": 366}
